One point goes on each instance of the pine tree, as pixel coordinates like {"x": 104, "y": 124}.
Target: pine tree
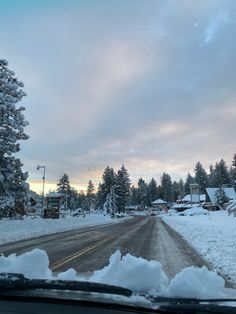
{"x": 13, "y": 188}
{"x": 189, "y": 180}
{"x": 175, "y": 190}
{"x": 233, "y": 171}
{"x": 109, "y": 180}
{"x": 65, "y": 189}
{"x": 142, "y": 193}
{"x": 152, "y": 191}
{"x": 81, "y": 200}
{"x": 181, "y": 188}
{"x": 122, "y": 188}
{"x": 90, "y": 194}
{"x": 99, "y": 201}
{"x": 73, "y": 198}
{"x": 166, "y": 187}
{"x": 159, "y": 191}
{"x": 222, "y": 175}
{"x": 110, "y": 205}
{"x": 201, "y": 177}
{"x": 211, "y": 176}
{"x": 221, "y": 197}
{"x": 133, "y": 200}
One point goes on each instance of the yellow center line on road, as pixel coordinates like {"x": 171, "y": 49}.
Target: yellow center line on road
{"x": 76, "y": 255}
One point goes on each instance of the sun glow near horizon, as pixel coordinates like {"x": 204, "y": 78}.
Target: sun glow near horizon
{"x": 37, "y": 187}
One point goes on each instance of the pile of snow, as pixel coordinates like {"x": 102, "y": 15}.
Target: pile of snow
{"x": 194, "y": 211}
{"x": 137, "y": 274}
{"x": 33, "y": 265}
{"x": 213, "y": 236}
{"x": 15, "y": 230}
{"x": 134, "y": 273}
{"x": 194, "y": 282}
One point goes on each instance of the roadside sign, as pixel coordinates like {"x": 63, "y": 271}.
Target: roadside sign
{"x": 53, "y": 204}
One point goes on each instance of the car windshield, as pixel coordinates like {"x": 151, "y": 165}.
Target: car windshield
{"x": 117, "y": 147}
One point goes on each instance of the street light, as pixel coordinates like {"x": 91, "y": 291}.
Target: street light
{"x": 44, "y": 170}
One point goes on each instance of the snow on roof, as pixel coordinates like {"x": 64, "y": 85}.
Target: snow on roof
{"x": 187, "y": 198}
{"x": 230, "y": 192}
{"x": 159, "y": 201}
{"x": 232, "y": 205}
{"x": 54, "y": 194}
{"x": 186, "y": 206}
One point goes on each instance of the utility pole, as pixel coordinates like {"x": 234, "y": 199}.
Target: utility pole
{"x": 44, "y": 172}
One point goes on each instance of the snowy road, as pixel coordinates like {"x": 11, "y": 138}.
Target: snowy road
{"x": 89, "y": 249}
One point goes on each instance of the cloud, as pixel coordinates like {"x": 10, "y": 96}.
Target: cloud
{"x": 147, "y": 83}
{"x": 214, "y": 26}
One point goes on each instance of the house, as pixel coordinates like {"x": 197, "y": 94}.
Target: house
{"x": 159, "y": 204}
{"x": 180, "y": 207}
{"x": 187, "y": 198}
{"x": 211, "y": 199}
{"x": 186, "y": 202}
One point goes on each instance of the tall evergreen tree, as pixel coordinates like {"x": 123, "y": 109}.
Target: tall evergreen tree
{"x": 181, "y": 188}
{"x": 175, "y": 191}
{"x": 110, "y": 205}
{"x": 90, "y": 194}
{"x": 201, "y": 177}
{"x": 81, "y": 200}
{"x": 108, "y": 181}
{"x": 13, "y": 187}
{"x": 233, "y": 171}
{"x": 159, "y": 191}
{"x": 63, "y": 187}
{"x": 211, "y": 176}
{"x": 99, "y": 200}
{"x": 222, "y": 175}
{"x": 189, "y": 180}
{"x": 73, "y": 198}
{"x": 142, "y": 193}
{"x": 166, "y": 187}
{"x": 221, "y": 197}
{"x": 122, "y": 188}
{"x": 152, "y": 191}
{"x": 133, "y": 196}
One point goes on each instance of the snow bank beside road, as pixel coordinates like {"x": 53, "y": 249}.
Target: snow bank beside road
{"x": 15, "y": 230}
{"x": 213, "y": 236}
{"x": 194, "y": 211}
{"x": 137, "y": 274}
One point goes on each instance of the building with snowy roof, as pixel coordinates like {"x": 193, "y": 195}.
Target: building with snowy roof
{"x": 187, "y": 198}
{"x": 159, "y": 204}
{"x": 211, "y": 194}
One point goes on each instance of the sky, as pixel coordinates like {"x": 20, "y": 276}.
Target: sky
{"x": 147, "y": 83}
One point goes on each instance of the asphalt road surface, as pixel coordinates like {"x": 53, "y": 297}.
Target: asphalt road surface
{"x": 89, "y": 249}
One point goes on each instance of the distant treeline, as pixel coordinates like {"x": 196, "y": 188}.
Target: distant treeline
{"x": 115, "y": 191}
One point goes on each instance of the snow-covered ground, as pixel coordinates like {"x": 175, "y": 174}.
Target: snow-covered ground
{"x": 15, "y": 230}
{"x": 137, "y": 274}
{"x": 212, "y": 235}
